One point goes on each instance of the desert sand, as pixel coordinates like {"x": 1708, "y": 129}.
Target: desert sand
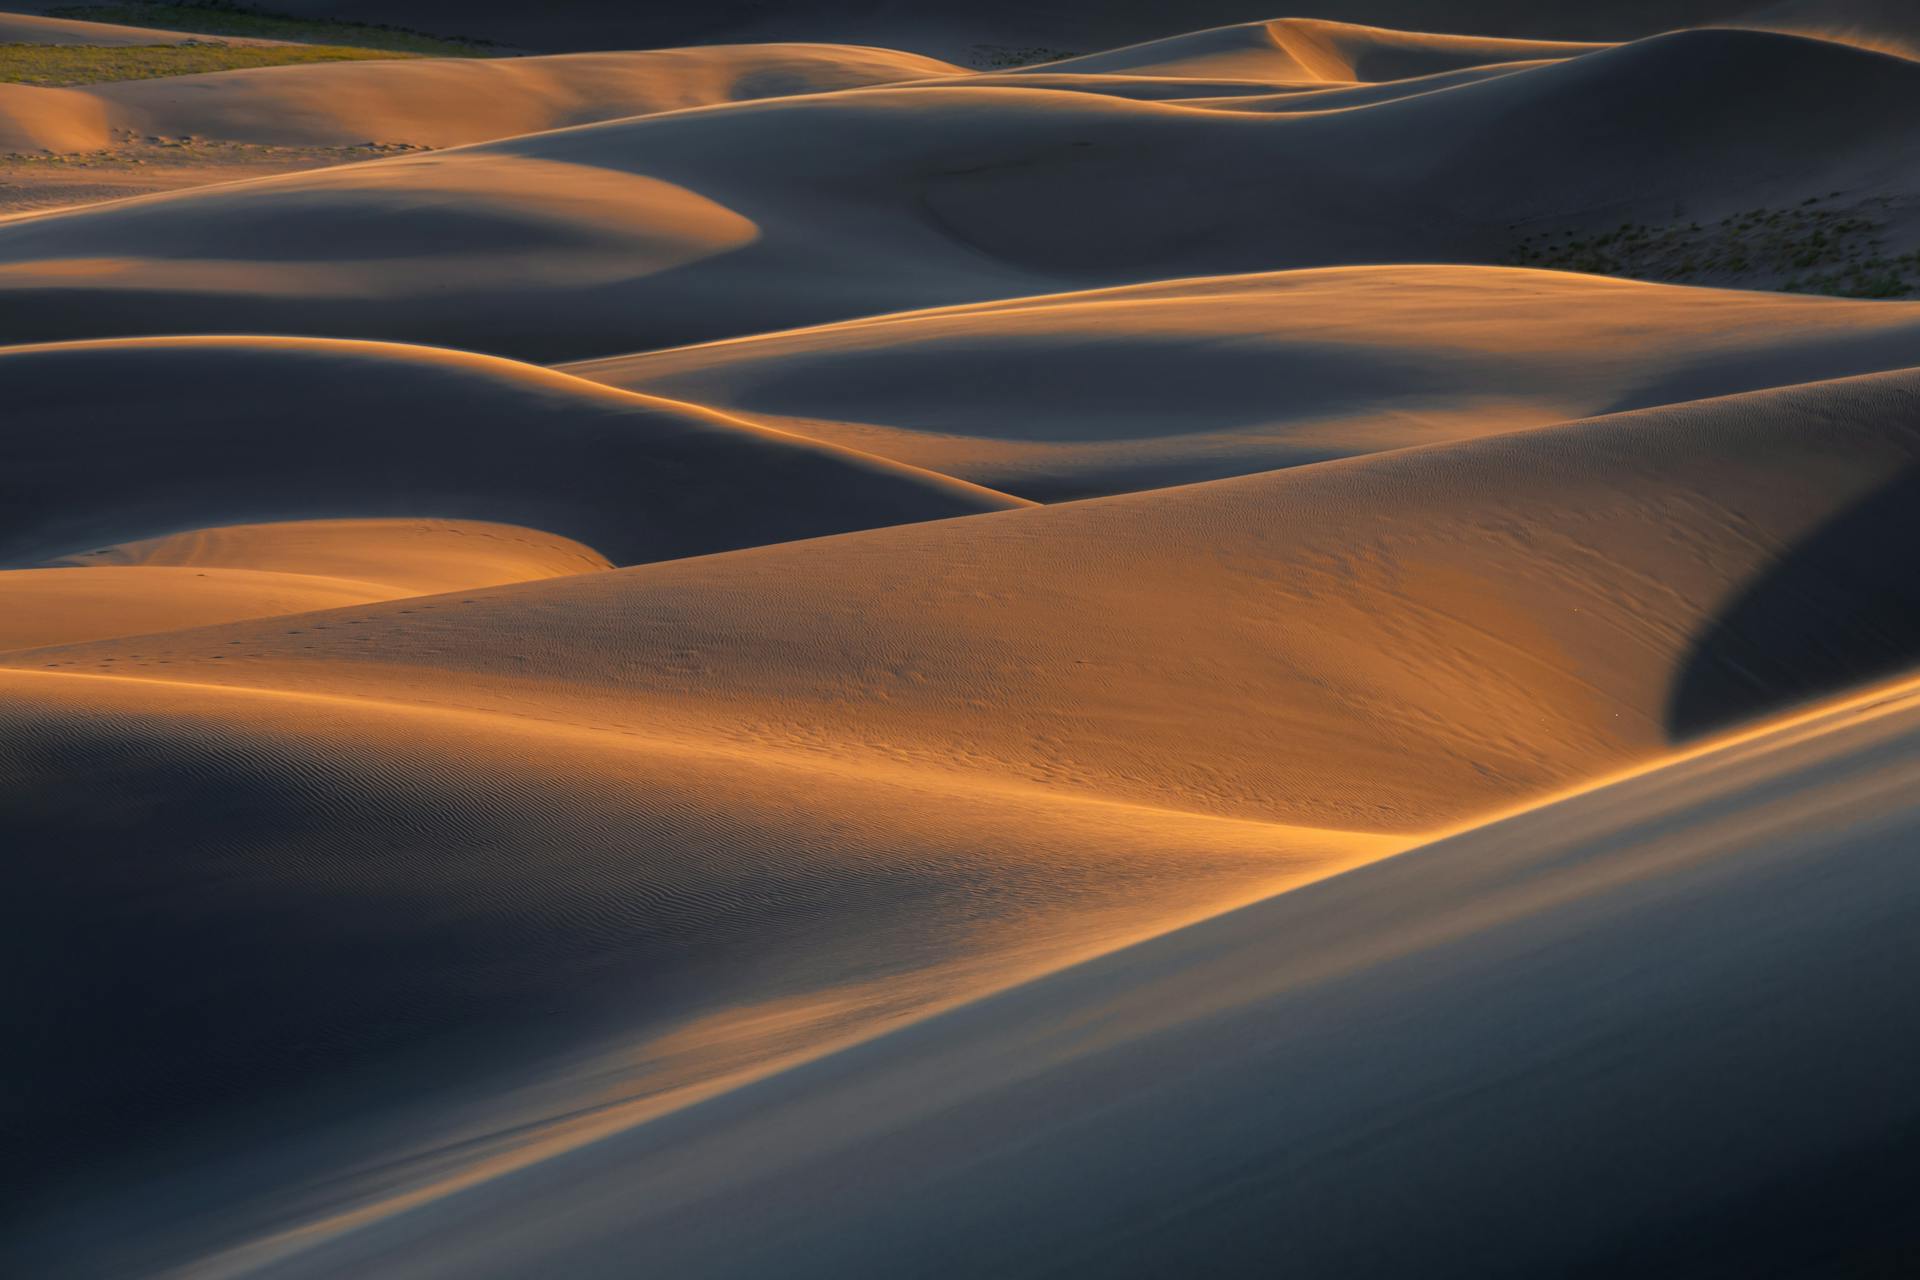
{"x": 1005, "y": 640}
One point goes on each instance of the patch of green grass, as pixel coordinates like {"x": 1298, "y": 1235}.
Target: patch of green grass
{"x": 220, "y": 18}
{"x": 54, "y": 65}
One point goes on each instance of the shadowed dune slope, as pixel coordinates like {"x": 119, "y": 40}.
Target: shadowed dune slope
{"x": 108, "y": 442}
{"x": 1387, "y": 643}
{"x": 247, "y": 571}
{"x": 448, "y": 885}
{"x": 354, "y": 924}
{"x": 1084, "y": 393}
{"x": 697, "y": 225}
{"x": 446, "y": 102}
{"x": 1439, "y": 1065}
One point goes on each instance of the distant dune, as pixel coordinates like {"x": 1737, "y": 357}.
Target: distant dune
{"x": 1294, "y": 49}
{"x": 219, "y": 575}
{"x": 1078, "y": 26}
{"x": 438, "y": 102}
{"x": 245, "y": 430}
{"x": 697, "y": 225}
{"x": 1084, "y": 393}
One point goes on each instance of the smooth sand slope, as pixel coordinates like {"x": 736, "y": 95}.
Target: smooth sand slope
{"x": 109, "y": 442}
{"x": 391, "y": 934}
{"x": 1388, "y": 643}
{"x": 1660, "y": 1028}
{"x": 250, "y": 571}
{"x": 1086, "y": 393}
{"x": 706, "y": 224}
{"x": 475, "y": 878}
{"x": 436, "y": 102}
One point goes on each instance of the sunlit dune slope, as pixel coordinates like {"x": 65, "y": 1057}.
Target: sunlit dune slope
{"x": 1296, "y": 49}
{"x": 1386, "y": 643}
{"x": 706, "y": 224}
{"x": 308, "y": 912}
{"x": 443, "y": 102}
{"x": 473, "y": 877}
{"x": 412, "y": 557}
{"x": 1654, "y": 1029}
{"x": 1083, "y": 393}
{"x": 107, "y": 442}
{"x": 250, "y": 571}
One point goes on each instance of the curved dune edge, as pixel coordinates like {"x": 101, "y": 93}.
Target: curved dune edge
{"x": 1080, "y": 394}
{"x": 210, "y": 576}
{"x": 1313, "y": 50}
{"x": 1527, "y": 606}
{"x": 247, "y": 430}
{"x": 436, "y": 102}
{"x": 1561, "y": 917}
{"x": 838, "y": 899}
{"x": 592, "y": 1123}
{"x": 858, "y": 208}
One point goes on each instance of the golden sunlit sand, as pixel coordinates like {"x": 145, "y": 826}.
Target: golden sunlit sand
{"x": 1005, "y": 640}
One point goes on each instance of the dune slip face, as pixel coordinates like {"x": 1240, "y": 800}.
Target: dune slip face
{"x": 878, "y": 639}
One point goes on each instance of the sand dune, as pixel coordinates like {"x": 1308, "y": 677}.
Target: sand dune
{"x": 1428, "y": 796}
{"x": 441, "y": 102}
{"x": 387, "y": 898}
{"x": 795, "y": 793}
{"x": 250, "y": 430}
{"x": 706, "y": 224}
{"x": 1294, "y": 49}
{"x": 1441, "y": 1064}
{"x": 954, "y": 29}
{"x": 1534, "y": 608}
{"x": 1084, "y": 393}
{"x": 249, "y": 571}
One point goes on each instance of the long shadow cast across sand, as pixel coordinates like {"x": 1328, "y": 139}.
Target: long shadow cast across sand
{"x": 1839, "y": 608}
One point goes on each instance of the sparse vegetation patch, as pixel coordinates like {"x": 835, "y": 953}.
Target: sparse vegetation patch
{"x": 998, "y": 56}
{"x": 217, "y": 17}
{"x": 1813, "y": 247}
{"x": 55, "y": 65}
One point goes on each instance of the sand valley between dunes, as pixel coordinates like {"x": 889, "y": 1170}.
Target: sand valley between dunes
{"x": 933, "y": 640}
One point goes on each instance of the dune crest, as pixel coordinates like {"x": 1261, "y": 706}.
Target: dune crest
{"x": 284, "y": 429}
{"x": 822, "y": 207}
{"x": 1077, "y": 394}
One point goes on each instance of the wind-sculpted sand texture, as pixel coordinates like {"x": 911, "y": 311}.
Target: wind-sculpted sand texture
{"x": 1017, "y": 658}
